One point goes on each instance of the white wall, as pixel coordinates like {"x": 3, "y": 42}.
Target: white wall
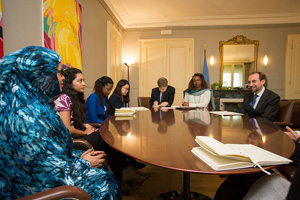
{"x": 272, "y": 41}
{"x": 22, "y": 24}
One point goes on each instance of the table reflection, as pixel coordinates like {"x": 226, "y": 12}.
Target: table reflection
{"x": 197, "y": 121}
{"x": 163, "y": 118}
{"x": 142, "y": 138}
{"x": 122, "y": 126}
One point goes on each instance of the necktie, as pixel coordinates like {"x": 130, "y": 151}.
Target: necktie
{"x": 253, "y": 123}
{"x": 253, "y": 101}
{"x": 161, "y": 97}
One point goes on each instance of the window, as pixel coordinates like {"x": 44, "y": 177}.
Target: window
{"x": 233, "y": 75}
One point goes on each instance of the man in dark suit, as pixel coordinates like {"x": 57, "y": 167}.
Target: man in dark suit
{"x": 163, "y": 95}
{"x": 260, "y": 102}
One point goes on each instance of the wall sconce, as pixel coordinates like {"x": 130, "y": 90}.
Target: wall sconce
{"x": 212, "y": 60}
{"x": 266, "y": 60}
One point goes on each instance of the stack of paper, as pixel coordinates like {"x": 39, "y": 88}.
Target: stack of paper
{"x": 135, "y": 108}
{"x": 124, "y": 112}
{"x": 124, "y": 117}
{"x": 224, "y": 112}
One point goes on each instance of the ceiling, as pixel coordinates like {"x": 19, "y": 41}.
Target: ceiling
{"x": 170, "y": 13}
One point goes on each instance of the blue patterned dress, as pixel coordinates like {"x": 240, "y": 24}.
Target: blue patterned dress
{"x": 36, "y": 149}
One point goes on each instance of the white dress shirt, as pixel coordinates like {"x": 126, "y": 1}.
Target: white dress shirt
{"x": 258, "y": 98}
{"x": 198, "y": 101}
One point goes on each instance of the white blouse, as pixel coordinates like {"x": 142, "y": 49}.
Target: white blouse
{"x": 198, "y": 101}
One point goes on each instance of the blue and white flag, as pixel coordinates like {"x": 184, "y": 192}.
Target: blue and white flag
{"x": 205, "y": 70}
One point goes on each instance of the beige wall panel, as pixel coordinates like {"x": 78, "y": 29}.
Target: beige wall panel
{"x": 114, "y": 55}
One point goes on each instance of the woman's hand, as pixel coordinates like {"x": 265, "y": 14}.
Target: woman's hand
{"x": 87, "y": 125}
{"x": 185, "y": 104}
{"x": 89, "y": 130}
{"x": 96, "y": 158}
{"x": 292, "y": 134}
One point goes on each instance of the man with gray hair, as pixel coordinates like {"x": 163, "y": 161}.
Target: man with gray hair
{"x": 163, "y": 95}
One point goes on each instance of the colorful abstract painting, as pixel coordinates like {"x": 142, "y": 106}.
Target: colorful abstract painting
{"x": 62, "y": 30}
{"x": 1, "y": 33}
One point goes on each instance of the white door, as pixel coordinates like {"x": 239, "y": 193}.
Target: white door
{"x": 292, "y": 68}
{"x": 169, "y": 58}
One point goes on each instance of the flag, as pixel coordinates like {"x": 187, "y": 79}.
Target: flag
{"x": 205, "y": 70}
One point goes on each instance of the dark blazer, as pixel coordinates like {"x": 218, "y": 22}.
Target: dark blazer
{"x": 114, "y": 102}
{"x": 168, "y": 95}
{"x": 267, "y": 107}
{"x": 168, "y": 116}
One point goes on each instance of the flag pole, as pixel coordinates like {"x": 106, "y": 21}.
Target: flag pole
{"x": 205, "y": 68}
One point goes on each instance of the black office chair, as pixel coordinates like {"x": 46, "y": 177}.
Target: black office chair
{"x": 285, "y": 113}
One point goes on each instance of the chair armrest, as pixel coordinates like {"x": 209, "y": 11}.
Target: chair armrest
{"x": 96, "y": 125}
{"x": 283, "y": 123}
{"x": 287, "y": 171}
{"x": 57, "y": 193}
{"x": 80, "y": 143}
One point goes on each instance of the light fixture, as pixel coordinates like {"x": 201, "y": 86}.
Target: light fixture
{"x": 212, "y": 60}
{"x": 127, "y": 65}
{"x": 266, "y": 60}
{"x": 128, "y": 62}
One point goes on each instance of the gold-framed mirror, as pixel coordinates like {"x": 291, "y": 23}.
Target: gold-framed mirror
{"x": 238, "y": 58}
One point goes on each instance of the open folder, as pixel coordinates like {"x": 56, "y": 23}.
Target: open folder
{"x": 221, "y": 156}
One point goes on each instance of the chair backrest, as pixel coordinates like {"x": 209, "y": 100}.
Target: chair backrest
{"x": 285, "y": 111}
{"x": 144, "y": 102}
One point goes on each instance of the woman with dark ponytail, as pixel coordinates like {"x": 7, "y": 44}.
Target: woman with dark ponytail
{"x": 97, "y": 103}
{"x": 120, "y": 97}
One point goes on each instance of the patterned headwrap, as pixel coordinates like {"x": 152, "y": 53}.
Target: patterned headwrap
{"x": 27, "y": 83}
{"x": 36, "y": 149}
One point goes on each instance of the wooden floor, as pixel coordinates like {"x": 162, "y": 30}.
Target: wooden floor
{"x": 164, "y": 180}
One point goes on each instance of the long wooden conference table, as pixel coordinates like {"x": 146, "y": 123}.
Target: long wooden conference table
{"x": 165, "y": 138}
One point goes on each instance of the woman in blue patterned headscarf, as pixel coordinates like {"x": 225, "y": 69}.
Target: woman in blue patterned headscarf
{"x": 36, "y": 149}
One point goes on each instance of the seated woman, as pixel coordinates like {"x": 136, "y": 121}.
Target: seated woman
{"x": 36, "y": 148}
{"x": 97, "y": 111}
{"x": 120, "y": 97}
{"x": 97, "y": 103}
{"x": 198, "y": 94}
{"x": 71, "y": 106}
